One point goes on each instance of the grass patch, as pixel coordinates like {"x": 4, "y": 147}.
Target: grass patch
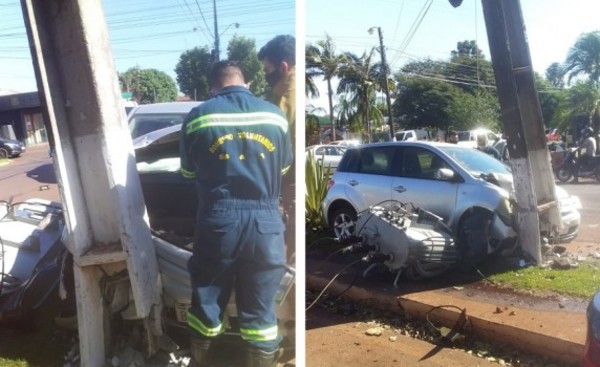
{"x": 579, "y": 282}
{"x": 582, "y": 281}
{"x": 38, "y": 344}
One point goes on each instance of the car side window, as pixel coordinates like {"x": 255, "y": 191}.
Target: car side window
{"x": 421, "y": 163}
{"x": 376, "y": 160}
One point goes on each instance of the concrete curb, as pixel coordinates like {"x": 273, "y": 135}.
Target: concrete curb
{"x": 546, "y": 341}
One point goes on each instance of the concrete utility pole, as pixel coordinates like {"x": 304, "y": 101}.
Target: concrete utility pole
{"x": 386, "y": 72}
{"x": 217, "y": 55}
{"x": 94, "y": 163}
{"x": 522, "y": 121}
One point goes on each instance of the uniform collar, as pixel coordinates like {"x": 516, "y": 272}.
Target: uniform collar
{"x": 232, "y": 88}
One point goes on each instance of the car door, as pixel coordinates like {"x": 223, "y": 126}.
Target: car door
{"x": 369, "y": 180}
{"x": 416, "y": 182}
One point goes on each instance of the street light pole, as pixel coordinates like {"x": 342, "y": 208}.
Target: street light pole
{"x": 385, "y": 81}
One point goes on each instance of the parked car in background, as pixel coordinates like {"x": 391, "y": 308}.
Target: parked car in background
{"x": 11, "y": 148}
{"x": 330, "y": 155}
{"x": 412, "y": 135}
{"x": 469, "y": 189}
{"x": 592, "y": 342}
{"x": 346, "y": 143}
{"x": 469, "y": 137}
{"x": 146, "y": 118}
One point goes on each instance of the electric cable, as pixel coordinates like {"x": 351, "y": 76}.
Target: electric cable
{"x": 331, "y": 282}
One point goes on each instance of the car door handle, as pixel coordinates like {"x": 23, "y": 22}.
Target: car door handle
{"x": 400, "y": 188}
{"x": 352, "y": 182}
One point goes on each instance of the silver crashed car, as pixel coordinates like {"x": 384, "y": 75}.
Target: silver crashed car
{"x": 469, "y": 189}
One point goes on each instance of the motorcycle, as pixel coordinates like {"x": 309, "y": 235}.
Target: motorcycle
{"x": 566, "y": 170}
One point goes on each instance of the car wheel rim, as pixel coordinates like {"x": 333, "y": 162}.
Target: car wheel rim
{"x": 343, "y": 225}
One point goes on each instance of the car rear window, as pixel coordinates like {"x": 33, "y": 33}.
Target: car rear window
{"x": 143, "y": 124}
{"x": 371, "y": 160}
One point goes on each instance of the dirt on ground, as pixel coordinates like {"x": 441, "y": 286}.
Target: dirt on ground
{"x": 547, "y": 313}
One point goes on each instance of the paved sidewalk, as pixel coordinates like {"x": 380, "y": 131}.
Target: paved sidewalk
{"x": 555, "y": 333}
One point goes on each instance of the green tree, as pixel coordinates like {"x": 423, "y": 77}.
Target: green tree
{"x": 322, "y": 60}
{"x": 583, "y": 58}
{"x": 312, "y": 125}
{"x": 360, "y": 81}
{"x": 555, "y": 75}
{"x": 425, "y": 103}
{"x": 550, "y": 98}
{"x": 584, "y": 98}
{"x": 192, "y": 72}
{"x": 148, "y": 85}
{"x": 478, "y": 110}
{"x": 243, "y": 50}
{"x": 468, "y": 68}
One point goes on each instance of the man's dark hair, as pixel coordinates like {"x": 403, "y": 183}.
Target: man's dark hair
{"x": 222, "y": 70}
{"x": 281, "y": 48}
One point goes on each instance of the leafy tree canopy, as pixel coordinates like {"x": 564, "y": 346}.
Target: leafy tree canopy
{"x": 192, "y": 72}
{"x": 148, "y": 85}
{"x": 425, "y": 103}
{"x": 243, "y": 50}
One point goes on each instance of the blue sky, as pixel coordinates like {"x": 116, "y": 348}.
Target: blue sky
{"x": 552, "y": 28}
{"x": 151, "y": 33}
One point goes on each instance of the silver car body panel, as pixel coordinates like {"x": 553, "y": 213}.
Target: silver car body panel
{"x": 449, "y": 199}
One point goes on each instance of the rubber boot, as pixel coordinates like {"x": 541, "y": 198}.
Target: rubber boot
{"x": 260, "y": 358}
{"x": 199, "y": 350}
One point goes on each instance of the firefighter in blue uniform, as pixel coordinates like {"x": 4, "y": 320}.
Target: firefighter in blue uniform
{"x": 237, "y": 147}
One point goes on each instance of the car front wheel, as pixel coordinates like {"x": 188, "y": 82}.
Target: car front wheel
{"x": 474, "y": 235}
{"x": 343, "y": 221}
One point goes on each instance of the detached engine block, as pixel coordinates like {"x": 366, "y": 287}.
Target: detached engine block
{"x": 410, "y": 241}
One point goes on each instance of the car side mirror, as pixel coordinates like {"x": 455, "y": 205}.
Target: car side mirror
{"x": 444, "y": 174}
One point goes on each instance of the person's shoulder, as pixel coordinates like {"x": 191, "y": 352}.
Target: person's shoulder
{"x": 266, "y": 106}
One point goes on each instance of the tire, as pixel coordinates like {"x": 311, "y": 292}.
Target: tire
{"x": 3, "y": 153}
{"x": 343, "y": 221}
{"x": 563, "y": 174}
{"x": 473, "y": 235}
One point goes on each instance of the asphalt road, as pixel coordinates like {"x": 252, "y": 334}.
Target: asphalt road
{"x": 29, "y": 176}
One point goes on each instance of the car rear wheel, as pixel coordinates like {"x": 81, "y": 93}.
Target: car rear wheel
{"x": 3, "y": 153}
{"x": 343, "y": 221}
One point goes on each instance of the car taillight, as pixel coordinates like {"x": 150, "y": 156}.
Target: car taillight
{"x": 330, "y": 184}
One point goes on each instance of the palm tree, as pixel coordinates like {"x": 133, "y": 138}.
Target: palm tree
{"x": 322, "y": 60}
{"x": 584, "y": 58}
{"x": 360, "y": 80}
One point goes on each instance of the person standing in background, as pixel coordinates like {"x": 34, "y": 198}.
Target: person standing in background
{"x": 278, "y": 58}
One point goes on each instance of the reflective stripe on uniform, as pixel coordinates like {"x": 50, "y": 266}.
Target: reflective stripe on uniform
{"x": 188, "y": 174}
{"x": 197, "y": 325}
{"x": 285, "y": 170}
{"x": 259, "y": 334}
{"x": 237, "y": 119}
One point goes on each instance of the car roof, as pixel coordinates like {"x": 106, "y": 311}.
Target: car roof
{"x": 410, "y": 143}
{"x": 165, "y": 107}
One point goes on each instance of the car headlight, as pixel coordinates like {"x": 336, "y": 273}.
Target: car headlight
{"x": 569, "y": 203}
{"x": 505, "y": 211}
